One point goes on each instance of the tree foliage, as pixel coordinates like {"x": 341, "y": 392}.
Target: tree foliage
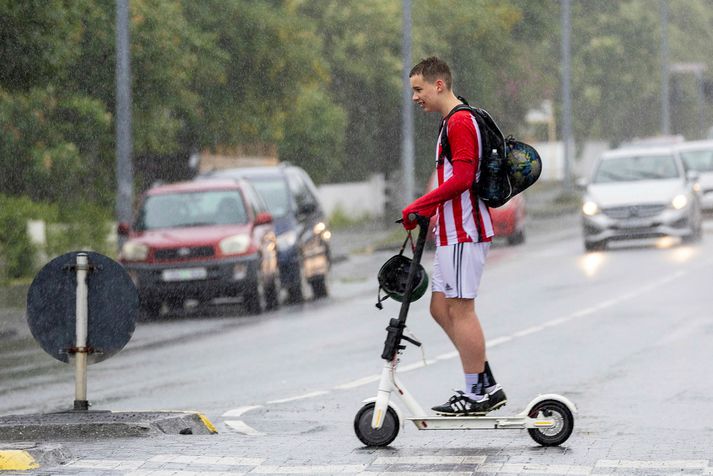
{"x": 320, "y": 80}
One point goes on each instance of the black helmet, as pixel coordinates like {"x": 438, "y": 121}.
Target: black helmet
{"x": 393, "y": 277}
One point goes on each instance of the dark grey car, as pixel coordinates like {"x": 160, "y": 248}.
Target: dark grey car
{"x": 302, "y": 233}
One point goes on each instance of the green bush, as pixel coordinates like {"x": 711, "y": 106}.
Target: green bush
{"x": 82, "y": 226}
{"x": 17, "y": 253}
{"x": 69, "y": 227}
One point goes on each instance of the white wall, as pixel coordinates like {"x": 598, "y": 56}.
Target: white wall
{"x": 552, "y": 155}
{"x": 356, "y": 199}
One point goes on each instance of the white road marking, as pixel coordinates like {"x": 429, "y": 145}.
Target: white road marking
{"x": 529, "y": 468}
{"x": 527, "y": 331}
{"x": 242, "y": 427}
{"x": 672, "y": 464}
{"x": 206, "y": 460}
{"x": 430, "y": 460}
{"x": 173, "y": 472}
{"x": 417, "y": 473}
{"x": 358, "y": 382}
{"x": 108, "y": 464}
{"x": 299, "y": 397}
{"x": 132, "y": 467}
{"x": 331, "y": 469}
{"x": 236, "y": 412}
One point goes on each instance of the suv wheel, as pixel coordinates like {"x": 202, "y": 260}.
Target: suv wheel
{"x": 319, "y": 287}
{"x": 296, "y": 290}
{"x": 254, "y": 299}
{"x": 272, "y": 299}
{"x": 149, "y": 310}
{"x": 595, "y": 246}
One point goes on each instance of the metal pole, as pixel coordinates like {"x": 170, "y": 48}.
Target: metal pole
{"x": 701, "y": 104}
{"x": 665, "y": 73}
{"x": 124, "y": 170}
{"x": 82, "y": 323}
{"x": 566, "y": 95}
{"x": 407, "y": 145}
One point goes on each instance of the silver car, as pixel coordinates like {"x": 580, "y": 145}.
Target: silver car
{"x": 698, "y": 156}
{"x": 640, "y": 193}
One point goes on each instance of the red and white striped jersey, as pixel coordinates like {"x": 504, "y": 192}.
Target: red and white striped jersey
{"x": 464, "y": 218}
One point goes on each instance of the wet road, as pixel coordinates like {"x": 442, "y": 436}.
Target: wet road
{"x": 624, "y": 333}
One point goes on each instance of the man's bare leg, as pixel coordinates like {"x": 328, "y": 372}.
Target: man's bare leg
{"x": 458, "y": 319}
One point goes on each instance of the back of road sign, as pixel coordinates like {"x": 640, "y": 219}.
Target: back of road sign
{"x": 113, "y": 305}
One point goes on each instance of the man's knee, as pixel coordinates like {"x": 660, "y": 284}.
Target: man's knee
{"x": 459, "y": 308}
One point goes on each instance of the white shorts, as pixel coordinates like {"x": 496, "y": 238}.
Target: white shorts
{"x": 457, "y": 269}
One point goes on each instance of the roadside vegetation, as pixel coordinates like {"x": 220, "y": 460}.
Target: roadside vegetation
{"x": 317, "y": 80}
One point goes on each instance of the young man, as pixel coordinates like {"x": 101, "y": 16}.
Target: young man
{"x": 463, "y": 234}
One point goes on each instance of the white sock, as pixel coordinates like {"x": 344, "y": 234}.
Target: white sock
{"x": 473, "y": 386}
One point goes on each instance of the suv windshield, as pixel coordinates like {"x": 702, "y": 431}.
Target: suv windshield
{"x": 698, "y": 160}
{"x": 173, "y": 210}
{"x": 640, "y": 167}
{"x": 275, "y": 194}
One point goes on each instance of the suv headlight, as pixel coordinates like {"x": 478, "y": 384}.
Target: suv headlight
{"x": 679, "y": 201}
{"x": 234, "y": 245}
{"x": 590, "y": 208}
{"x": 287, "y": 239}
{"x": 134, "y": 251}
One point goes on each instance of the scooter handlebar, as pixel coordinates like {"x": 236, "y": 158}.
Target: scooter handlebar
{"x": 420, "y": 219}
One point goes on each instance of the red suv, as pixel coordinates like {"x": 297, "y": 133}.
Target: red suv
{"x": 202, "y": 240}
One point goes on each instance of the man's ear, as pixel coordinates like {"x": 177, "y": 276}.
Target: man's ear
{"x": 440, "y": 85}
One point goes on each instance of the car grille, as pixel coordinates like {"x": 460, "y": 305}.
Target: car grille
{"x": 634, "y": 211}
{"x": 184, "y": 253}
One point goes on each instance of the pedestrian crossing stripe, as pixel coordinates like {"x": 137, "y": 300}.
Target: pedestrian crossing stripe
{"x": 384, "y": 465}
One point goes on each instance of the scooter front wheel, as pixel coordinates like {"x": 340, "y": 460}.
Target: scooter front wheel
{"x": 563, "y": 418}
{"x": 376, "y": 437}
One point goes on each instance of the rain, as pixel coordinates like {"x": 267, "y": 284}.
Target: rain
{"x": 234, "y": 171}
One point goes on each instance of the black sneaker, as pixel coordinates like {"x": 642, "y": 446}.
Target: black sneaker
{"x": 497, "y": 398}
{"x": 461, "y": 404}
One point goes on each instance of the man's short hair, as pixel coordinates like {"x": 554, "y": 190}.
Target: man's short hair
{"x": 433, "y": 68}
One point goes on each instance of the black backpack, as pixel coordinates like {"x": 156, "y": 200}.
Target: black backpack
{"x": 507, "y": 166}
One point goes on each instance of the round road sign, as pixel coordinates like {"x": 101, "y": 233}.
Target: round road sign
{"x": 113, "y": 305}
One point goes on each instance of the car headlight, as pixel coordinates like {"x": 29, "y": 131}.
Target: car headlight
{"x": 590, "y": 208}
{"x": 320, "y": 229}
{"x": 134, "y": 251}
{"x": 287, "y": 239}
{"x": 679, "y": 201}
{"x": 234, "y": 245}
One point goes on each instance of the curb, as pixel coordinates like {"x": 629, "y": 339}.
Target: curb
{"x": 26, "y": 456}
{"x": 102, "y": 424}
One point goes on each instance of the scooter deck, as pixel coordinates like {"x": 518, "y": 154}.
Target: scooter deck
{"x": 435, "y": 422}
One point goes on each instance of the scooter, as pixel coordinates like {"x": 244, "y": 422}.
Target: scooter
{"x": 549, "y": 419}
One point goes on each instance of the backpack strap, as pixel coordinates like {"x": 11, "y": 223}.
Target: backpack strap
{"x": 446, "y": 150}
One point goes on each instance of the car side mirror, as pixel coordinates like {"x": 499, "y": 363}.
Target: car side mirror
{"x": 581, "y": 183}
{"x": 693, "y": 175}
{"x": 122, "y": 229}
{"x": 263, "y": 218}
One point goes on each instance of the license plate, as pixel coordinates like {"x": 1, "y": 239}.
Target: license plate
{"x": 635, "y": 224}
{"x": 184, "y": 274}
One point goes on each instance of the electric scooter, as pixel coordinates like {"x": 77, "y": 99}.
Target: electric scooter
{"x": 549, "y": 419}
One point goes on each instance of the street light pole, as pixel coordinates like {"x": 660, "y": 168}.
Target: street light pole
{"x": 124, "y": 169}
{"x": 566, "y": 94}
{"x": 407, "y": 146}
{"x": 665, "y": 100}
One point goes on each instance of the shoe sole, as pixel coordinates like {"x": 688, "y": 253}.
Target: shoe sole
{"x": 495, "y": 407}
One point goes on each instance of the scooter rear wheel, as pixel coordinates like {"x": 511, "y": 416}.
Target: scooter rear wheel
{"x": 564, "y": 423}
{"x": 368, "y": 435}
